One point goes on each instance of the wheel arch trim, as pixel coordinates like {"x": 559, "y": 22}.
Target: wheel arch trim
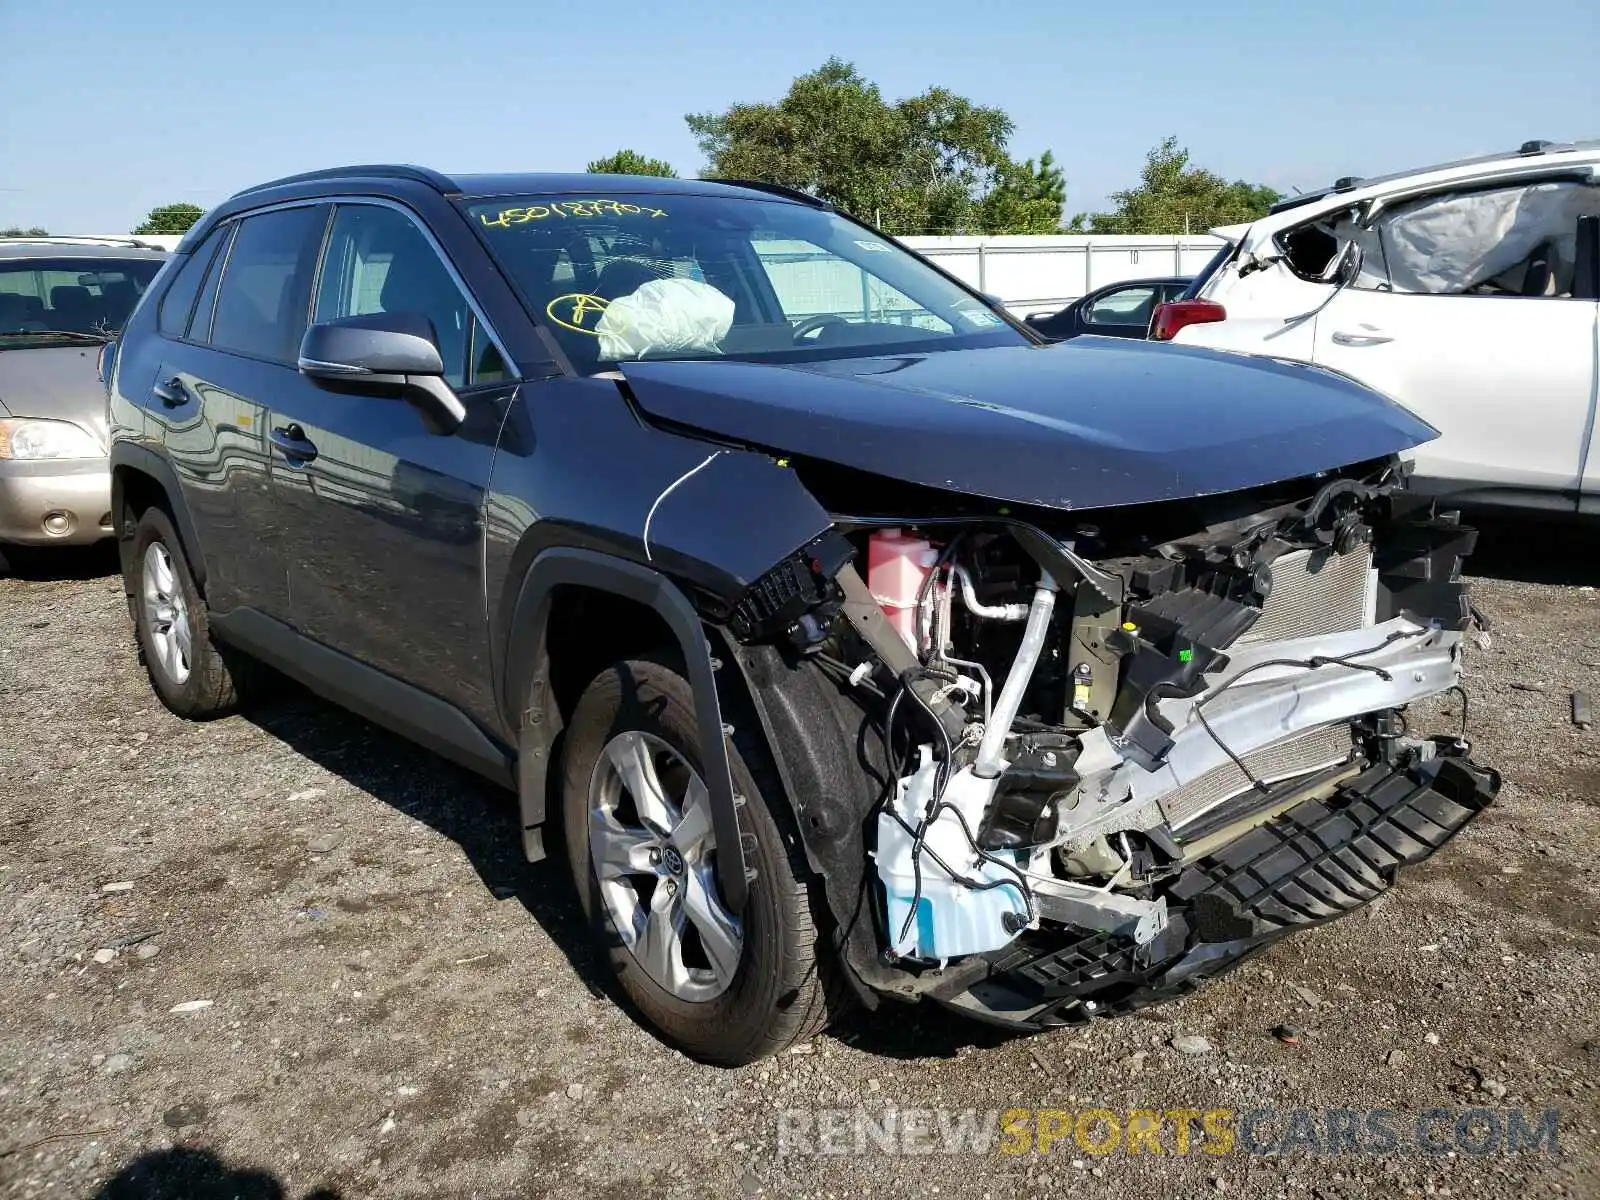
{"x": 129, "y": 456}
{"x": 532, "y": 713}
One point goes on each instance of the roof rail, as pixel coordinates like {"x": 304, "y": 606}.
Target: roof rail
{"x": 1528, "y": 149}
{"x": 422, "y": 175}
{"x": 1296, "y": 201}
{"x": 776, "y": 189}
{"x": 86, "y": 239}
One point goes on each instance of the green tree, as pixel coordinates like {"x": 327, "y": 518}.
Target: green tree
{"x": 924, "y": 164}
{"x": 1025, "y": 198}
{"x": 19, "y": 231}
{"x": 631, "y": 162}
{"x": 170, "y": 218}
{"x": 1175, "y": 197}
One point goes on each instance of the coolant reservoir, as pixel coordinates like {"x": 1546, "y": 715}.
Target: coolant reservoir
{"x": 897, "y": 566}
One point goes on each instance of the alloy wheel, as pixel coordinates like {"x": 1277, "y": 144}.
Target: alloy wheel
{"x": 653, "y": 852}
{"x": 166, "y": 615}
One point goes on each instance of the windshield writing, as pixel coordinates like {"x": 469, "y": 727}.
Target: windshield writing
{"x": 637, "y": 276}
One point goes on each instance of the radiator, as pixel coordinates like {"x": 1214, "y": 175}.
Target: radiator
{"x": 1298, "y": 755}
{"x": 1316, "y": 592}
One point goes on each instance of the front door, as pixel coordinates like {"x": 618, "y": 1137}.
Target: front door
{"x": 1508, "y": 381}
{"x": 385, "y": 558}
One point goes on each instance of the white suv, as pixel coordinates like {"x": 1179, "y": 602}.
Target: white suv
{"x": 1469, "y": 292}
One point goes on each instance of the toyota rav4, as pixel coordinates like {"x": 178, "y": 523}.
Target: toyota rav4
{"x": 858, "y": 644}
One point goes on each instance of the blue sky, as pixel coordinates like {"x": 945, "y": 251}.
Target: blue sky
{"x": 111, "y": 108}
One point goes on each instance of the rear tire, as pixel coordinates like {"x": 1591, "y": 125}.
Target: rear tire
{"x": 190, "y": 672}
{"x": 717, "y": 1003}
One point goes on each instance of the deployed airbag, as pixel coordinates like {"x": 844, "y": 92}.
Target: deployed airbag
{"x": 665, "y": 316}
{"x": 1456, "y": 242}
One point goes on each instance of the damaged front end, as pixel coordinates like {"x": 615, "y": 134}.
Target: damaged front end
{"x": 1055, "y": 764}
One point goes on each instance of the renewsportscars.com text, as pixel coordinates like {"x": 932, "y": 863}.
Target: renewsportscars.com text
{"x": 1166, "y": 1131}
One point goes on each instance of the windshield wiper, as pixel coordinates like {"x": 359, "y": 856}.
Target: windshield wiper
{"x": 69, "y": 333}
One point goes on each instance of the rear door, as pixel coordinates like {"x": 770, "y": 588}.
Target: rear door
{"x": 383, "y": 519}
{"x": 231, "y": 323}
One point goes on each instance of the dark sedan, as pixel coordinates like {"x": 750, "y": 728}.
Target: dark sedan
{"x": 1119, "y": 309}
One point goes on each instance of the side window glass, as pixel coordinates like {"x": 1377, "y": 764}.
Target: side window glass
{"x": 261, "y": 304}
{"x": 1310, "y": 250}
{"x": 1503, "y": 241}
{"x": 178, "y": 302}
{"x": 200, "y": 319}
{"x": 487, "y": 364}
{"x": 1499, "y": 241}
{"x": 378, "y": 261}
{"x": 1130, "y": 306}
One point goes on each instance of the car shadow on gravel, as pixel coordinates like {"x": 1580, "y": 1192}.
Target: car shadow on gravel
{"x": 185, "y": 1173}
{"x": 476, "y": 815}
{"x": 66, "y": 562}
{"x": 481, "y": 819}
{"x": 923, "y": 1032}
{"x": 1536, "y": 548}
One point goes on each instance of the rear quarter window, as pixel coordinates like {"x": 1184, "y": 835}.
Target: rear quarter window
{"x": 178, "y": 302}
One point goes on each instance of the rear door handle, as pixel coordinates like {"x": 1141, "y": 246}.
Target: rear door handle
{"x": 293, "y": 444}
{"x": 172, "y": 393}
{"x": 1370, "y": 337}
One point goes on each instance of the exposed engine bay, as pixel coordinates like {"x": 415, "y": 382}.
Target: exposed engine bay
{"x": 1079, "y": 715}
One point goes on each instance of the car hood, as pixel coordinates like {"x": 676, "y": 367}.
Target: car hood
{"x": 1091, "y": 423}
{"x": 61, "y": 383}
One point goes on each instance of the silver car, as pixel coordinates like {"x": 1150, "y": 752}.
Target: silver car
{"x": 62, "y": 301}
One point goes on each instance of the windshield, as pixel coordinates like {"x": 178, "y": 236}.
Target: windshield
{"x": 51, "y": 301}
{"x": 626, "y": 277}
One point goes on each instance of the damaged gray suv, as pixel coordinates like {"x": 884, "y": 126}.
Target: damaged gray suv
{"x": 860, "y": 646}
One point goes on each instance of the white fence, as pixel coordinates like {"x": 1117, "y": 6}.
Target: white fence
{"x": 1044, "y": 273}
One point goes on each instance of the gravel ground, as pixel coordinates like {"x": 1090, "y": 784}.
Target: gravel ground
{"x": 287, "y": 955}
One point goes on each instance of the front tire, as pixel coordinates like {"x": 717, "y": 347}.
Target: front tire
{"x": 187, "y": 669}
{"x": 725, "y": 990}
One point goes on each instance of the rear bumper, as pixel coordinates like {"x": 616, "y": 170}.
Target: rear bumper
{"x": 55, "y": 503}
{"x": 1316, "y": 862}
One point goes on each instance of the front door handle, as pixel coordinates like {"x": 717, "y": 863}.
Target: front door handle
{"x": 172, "y": 393}
{"x": 1370, "y": 337}
{"x": 293, "y": 444}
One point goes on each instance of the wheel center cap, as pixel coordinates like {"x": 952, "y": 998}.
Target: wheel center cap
{"x": 672, "y": 860}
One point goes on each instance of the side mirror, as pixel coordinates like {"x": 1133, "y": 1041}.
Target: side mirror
{"x": 384, "y": 354}
{"x": 1347, "y": 267}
